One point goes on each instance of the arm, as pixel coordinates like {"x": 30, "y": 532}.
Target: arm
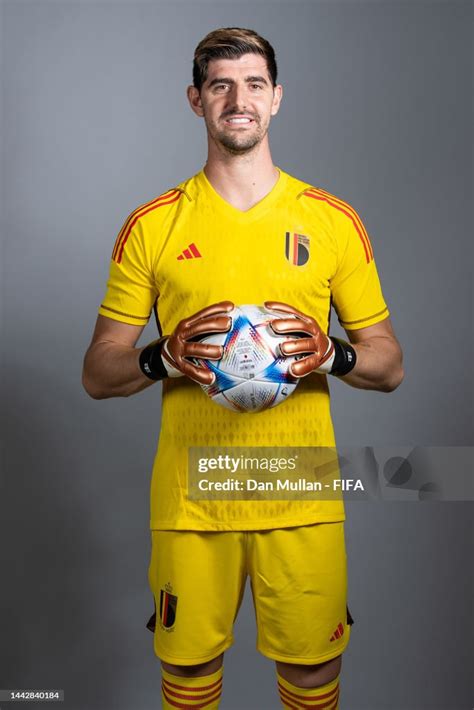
{"x": 111, "y": 366}
{"x": 379, "y": 358}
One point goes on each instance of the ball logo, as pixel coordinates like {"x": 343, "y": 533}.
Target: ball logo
{"x": 296, "y": 248}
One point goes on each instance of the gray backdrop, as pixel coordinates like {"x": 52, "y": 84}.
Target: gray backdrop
{"x": 95, "y": 121}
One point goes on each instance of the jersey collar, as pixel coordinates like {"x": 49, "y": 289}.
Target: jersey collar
{"x": 266, "y": 203}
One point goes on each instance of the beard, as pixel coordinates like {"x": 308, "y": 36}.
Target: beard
{"x": 238, "y": 142}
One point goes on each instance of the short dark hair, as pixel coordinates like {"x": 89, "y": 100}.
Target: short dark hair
{"x": 231, "y": 43}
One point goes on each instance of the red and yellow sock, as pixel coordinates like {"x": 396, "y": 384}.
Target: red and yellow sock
{"x": 179, "y": 692}
{"x": 325, "y": 697}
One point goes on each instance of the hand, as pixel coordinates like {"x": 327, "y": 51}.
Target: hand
{"x": 318, "y": 347}
{"x": 179, "y": 347}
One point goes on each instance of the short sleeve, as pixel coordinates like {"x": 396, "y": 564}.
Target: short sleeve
{"x": 355, "y": 286}
{"x": 131, "y": 290}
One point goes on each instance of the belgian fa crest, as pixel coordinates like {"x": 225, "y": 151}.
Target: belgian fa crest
{"x": 296, "y": 248}
{"x": 168, "y": 603}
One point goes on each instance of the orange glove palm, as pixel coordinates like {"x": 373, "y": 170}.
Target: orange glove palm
{"x": 180, "y": 347}
{"x": 313, "y": 342}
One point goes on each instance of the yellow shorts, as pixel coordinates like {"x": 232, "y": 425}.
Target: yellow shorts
{"x": 299, "y": 584}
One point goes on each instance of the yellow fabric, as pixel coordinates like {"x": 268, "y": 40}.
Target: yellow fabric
{"x": 190, "y": 248}
{"x": 299, "y": 586}
{"x": 181, "y": 692}
{"x": 324, "y": 697}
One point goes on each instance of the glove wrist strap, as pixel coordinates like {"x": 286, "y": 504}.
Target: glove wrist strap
{"x": 345, "y": 357}
{"x": 151, "y": 362}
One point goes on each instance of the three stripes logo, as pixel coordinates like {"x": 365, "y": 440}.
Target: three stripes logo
{"x": 338, "y": 632}
{"x": 192, "y": 252}
{"x": 168, "y": 604}
{"x": 296, "y": 248}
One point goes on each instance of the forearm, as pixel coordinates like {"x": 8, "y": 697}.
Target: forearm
{"x": 378, "y": 366}
{"x": 112, "y": 370}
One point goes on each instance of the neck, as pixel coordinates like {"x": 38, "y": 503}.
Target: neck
{"x": 242, "y": 180}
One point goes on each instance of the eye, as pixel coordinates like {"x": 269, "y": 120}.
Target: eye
{"x": 220, "y": 87}
{"x": 256, "y": 86}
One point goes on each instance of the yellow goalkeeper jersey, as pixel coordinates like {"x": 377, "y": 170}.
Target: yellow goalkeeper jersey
{"x": 189, "y": 248}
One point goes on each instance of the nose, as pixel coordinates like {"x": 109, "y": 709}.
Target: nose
{"x": 237, "y": 96}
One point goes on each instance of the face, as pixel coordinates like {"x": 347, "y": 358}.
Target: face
{"x": 237, "y": 101}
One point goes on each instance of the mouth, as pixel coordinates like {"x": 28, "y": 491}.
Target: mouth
{"x": 239, "y": 121}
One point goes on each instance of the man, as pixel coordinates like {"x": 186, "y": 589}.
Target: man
{"x": 242, "y": 231}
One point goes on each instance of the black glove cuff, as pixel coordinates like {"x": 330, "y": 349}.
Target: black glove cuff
{"x": 151, "y": 362}
{"x": 345, "y": 357}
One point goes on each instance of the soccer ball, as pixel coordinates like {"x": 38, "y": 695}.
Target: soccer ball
{"x": 252, "y": 374}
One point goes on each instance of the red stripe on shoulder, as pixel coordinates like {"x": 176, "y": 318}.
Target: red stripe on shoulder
{"x": 319, "y": 194}
{"x": 164, "y": 199}
{"x": 133, "y": 214}
{"x": 347, "y": 206}
{"x": 341, "y": 202}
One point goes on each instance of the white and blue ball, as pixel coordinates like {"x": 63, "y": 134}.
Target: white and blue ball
{"x": 252, "y": 374}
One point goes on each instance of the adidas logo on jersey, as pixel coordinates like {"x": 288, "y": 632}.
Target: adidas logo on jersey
{"x": 192, "y": 252}
{"x": 338, "y": 632}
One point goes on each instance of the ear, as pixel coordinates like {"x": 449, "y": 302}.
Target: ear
{"x": 194, "y": 98}
{"x": 277, "y": 96}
